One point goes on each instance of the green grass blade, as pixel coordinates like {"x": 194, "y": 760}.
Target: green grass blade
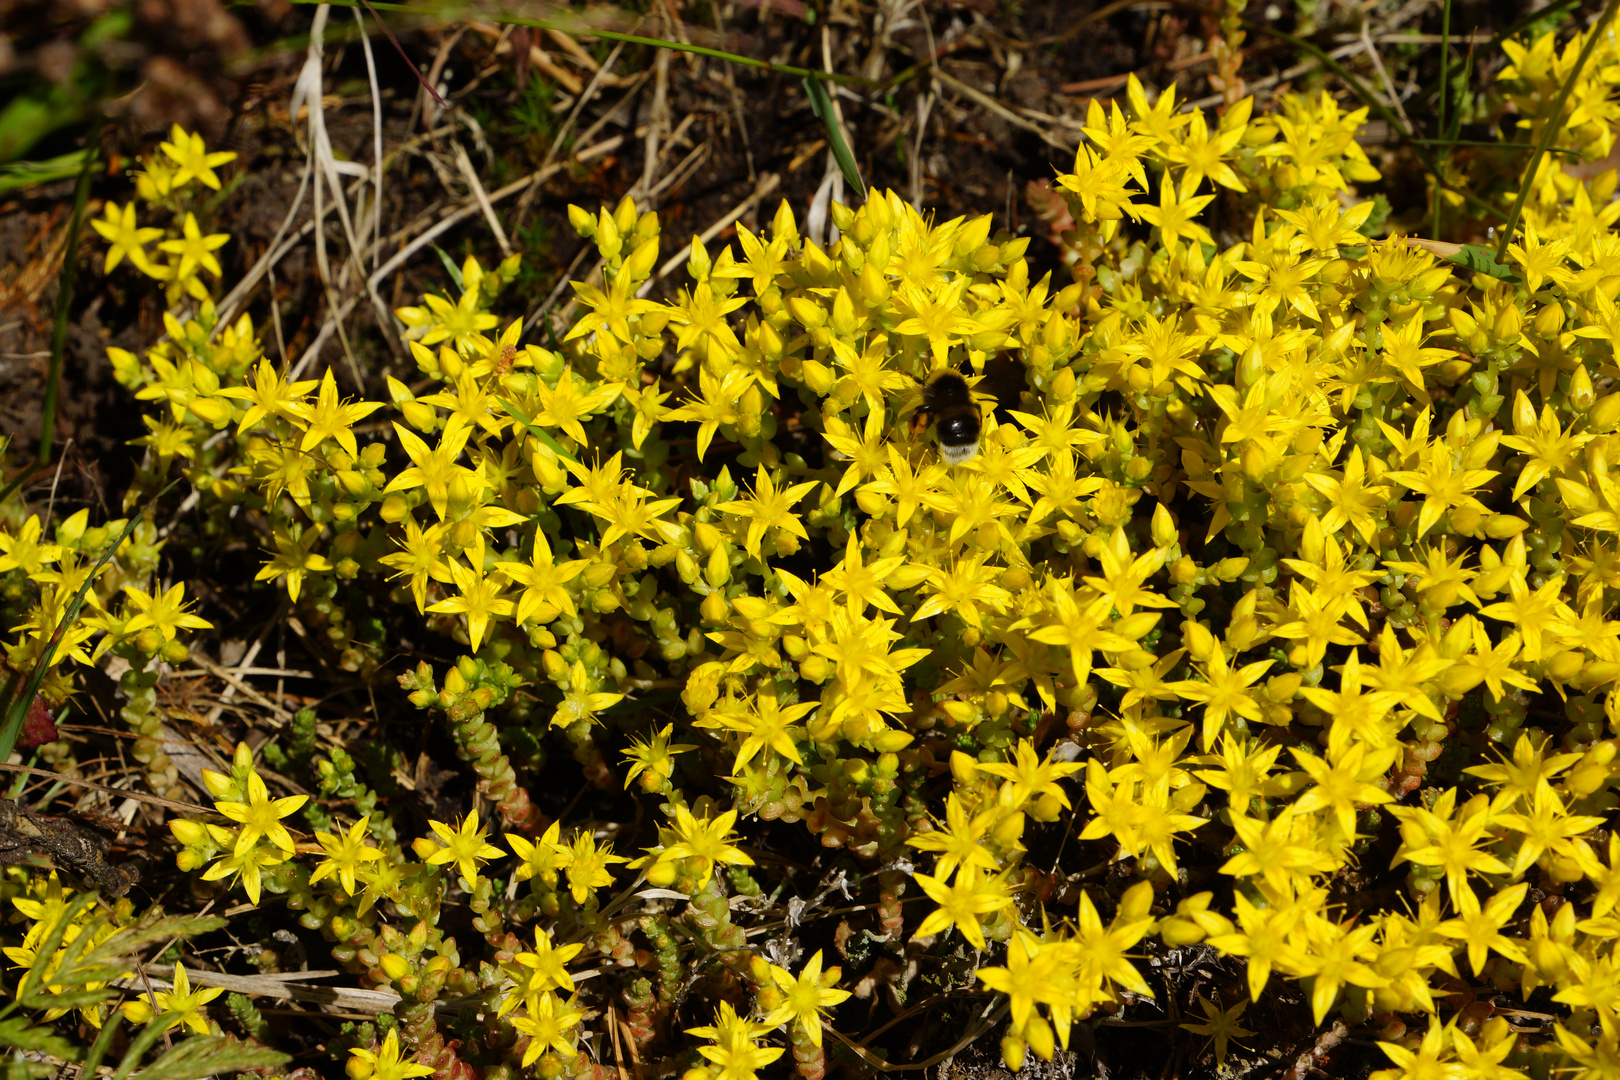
{"x": 821, "y": 103}
{"x": 451, "y": 267}
{"x": 20, "y": 479}
{"x": 1482, "y": 260}
{"x": 19, "y": 1034}
{"x": 9, "y": 694}
{"x": 144, "y": 1041}
{"x": 98, "y": 1049}
{"x": 1456, "y": 114}
{"x": 28, "y": 118}
{"x": 1485, "y": 144}
{"x": 26, "y": 174}
{"x": 210, "y": 1055}
{"x": 64, "y": 295}
{"x": 539, "y": 433}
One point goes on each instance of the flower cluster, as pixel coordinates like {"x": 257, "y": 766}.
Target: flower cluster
{"x": 259, "y": 841}
{"x": 164, "y": 184}
{"x": 1276, "y": 594}
{"x": 128, "y": 615}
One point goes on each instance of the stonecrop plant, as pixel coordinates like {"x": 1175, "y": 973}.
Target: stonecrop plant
{"x": 1272, "y": 614}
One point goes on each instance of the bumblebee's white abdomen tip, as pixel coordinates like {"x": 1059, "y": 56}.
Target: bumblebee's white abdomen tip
{"x": 955, "y": 455}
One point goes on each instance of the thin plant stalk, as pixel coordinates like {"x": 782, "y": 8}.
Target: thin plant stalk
{"x": 1551, "y": 128}
{"x": 1486, "y": 144}
{"x": 821, "y": 104}
{"x": 1444, "y": 156}
{"x": 444, "y": 11}
{"x": 64, "y": 296}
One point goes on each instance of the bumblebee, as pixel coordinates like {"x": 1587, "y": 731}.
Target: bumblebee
{"x": 956, "y": 416}
{"x": 956, "y": 411}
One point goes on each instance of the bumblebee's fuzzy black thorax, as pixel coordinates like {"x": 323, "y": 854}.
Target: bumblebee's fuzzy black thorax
{"x": 956, "y": 417}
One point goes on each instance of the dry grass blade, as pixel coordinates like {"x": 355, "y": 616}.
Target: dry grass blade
{"x": 1003, "y": 111}
{"x": 656, "y": 121}
{"x": 296, "y": 986}
{"x": 474, "y": 185}
{"x": 1343, "y": 52}
{"x": 151, "y": 800}
{"x": 307, "y": 92}
{"x": 1383, "y": 77}
{"x": 376, "y": 145}
{"x": 455, "y": 217}
{"x": 602, "y": 75}
{"x": 273, "y": 253}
